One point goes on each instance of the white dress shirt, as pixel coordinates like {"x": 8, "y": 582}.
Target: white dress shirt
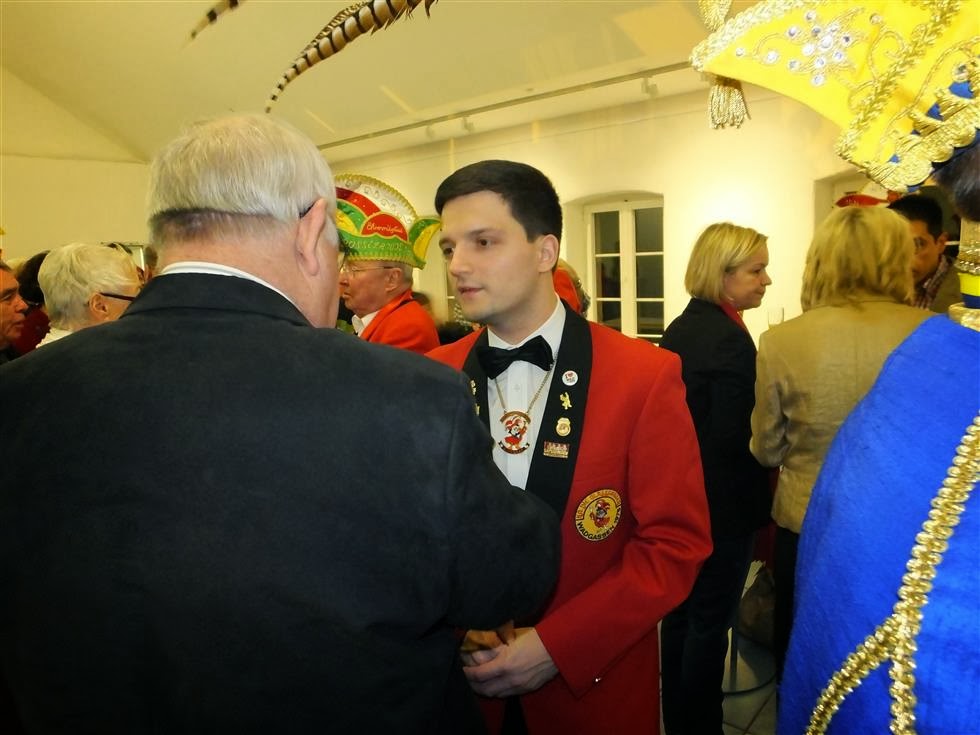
{"x": 360, "y": 323}
{"x": 518, "y": 384}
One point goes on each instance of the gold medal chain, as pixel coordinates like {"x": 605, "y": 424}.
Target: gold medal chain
{"x": 534, "y": 398}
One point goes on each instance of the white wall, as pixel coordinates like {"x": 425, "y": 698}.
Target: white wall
{"x": 61, "y": 179}
{"x": 761, "y": 175}
{"x": 47, "y": 202}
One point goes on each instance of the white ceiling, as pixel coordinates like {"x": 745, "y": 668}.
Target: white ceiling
{"x": 127, "y": 72}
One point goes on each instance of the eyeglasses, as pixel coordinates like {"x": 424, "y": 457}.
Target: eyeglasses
{"x": 117, "y": 296}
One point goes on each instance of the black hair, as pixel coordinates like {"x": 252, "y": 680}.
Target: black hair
{"x": 959, "y": 179}
{"x": 529, "y": 194}
{"x": 920, "y": 208}
{"x": 30, "y": 291}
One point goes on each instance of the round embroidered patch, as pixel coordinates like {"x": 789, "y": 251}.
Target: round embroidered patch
{"x": 598, "y": 514}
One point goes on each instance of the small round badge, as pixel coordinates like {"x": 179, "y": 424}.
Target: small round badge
{"x": 598, "y": 514}
{"x": 563, "y": 427}
{"x": 569, "y": 377}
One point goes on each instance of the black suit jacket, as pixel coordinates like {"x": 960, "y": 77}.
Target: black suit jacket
{"x": 185, "y": 548}
{"x": 718, "y": 368}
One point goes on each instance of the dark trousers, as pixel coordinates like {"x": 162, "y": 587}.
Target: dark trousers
{"x": 694, "y": 641}
{"x": 784, "y": 578}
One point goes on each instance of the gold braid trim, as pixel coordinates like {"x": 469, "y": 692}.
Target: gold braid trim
{"x": 894, "y": 639}
{"x": 762, "y": 13}
{"x": 713, "y": 12}
{"x": 936, "y": 140}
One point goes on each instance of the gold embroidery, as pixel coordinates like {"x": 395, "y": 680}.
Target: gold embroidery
{"x": 895, "y": 638}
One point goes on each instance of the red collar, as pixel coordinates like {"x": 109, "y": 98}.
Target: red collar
{"x": 733, "y": 314}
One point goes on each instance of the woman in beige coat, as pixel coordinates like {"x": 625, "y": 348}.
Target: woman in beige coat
{"x": 812, "y": 370}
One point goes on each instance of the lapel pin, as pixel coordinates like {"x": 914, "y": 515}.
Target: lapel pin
{"x": 557, "y": 450}
{"x": 569, "y": 377}
{"x": 566, "y": 401}
{"x": 563, "y": 427}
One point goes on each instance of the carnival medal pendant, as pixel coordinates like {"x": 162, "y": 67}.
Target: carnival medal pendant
{"x": 516, "y": 425}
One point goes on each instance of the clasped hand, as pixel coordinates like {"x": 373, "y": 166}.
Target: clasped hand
{"x": 506, "y": 661}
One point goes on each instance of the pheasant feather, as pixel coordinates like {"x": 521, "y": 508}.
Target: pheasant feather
{"x": 347, "y": 25}
{"x": 213, "y": 14}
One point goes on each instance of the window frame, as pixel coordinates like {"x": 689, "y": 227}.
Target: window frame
{"x": 628, "y": 300}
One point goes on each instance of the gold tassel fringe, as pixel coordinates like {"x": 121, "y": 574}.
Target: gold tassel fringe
{"x": 726, "y": 104}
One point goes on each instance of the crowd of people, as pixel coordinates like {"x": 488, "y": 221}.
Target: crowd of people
{"x": 220, "y": 513}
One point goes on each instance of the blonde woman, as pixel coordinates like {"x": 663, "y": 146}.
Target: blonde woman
{"x": 812, "y": 370}
{"x": 726, "y": 275}
{"x": 85, "y": 285}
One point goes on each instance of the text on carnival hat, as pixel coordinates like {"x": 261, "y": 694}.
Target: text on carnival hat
{"x": 900, "y": 77}
{"x": 377, "y": 223}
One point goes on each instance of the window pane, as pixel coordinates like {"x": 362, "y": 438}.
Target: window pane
{"x": 649, "y": 230}
{"x": 610, "y": 314}
{"x": 650, "y": 276}
{"x": 606, "y": 232}
{"x": 607, "y": 277}
{"x": 649, "y": 317}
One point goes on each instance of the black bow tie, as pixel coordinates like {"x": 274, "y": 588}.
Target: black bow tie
{"x": 495, "y": 360}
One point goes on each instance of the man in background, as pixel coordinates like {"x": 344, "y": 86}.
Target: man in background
{"x": 12, "y": 311}
{"x": 937, "y": 286}
{"x": 385, "y": 240}
{"x": 596, "y": 424}
{"x": 182, "y": 550}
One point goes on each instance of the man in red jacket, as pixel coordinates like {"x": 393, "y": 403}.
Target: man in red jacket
{"x": 385, "y": 240}
{"x": 597, "y": 425}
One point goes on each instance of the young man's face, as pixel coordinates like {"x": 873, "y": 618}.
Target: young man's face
{"x": 12, "y": 309}
{"x": 496, "y": 270}
{"x": 928, "y": 249}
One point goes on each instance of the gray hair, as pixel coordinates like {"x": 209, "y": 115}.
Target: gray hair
{"x": 72, "y": 274}
{"x": 237, "y": 175}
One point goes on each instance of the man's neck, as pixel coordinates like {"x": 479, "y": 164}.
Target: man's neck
{"x": 516, "y": 332}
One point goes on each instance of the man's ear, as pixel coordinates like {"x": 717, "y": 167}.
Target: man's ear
{"x": 941, "y": 240}
{"x": 98, "y": 308}
{"x": 307, "y": 244}
{"x": 548, "y": 247}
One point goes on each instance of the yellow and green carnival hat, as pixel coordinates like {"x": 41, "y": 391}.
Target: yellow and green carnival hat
{"x": 377, "y": 223}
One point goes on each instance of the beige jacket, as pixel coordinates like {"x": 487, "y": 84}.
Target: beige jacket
{"x": 810, "y": 372}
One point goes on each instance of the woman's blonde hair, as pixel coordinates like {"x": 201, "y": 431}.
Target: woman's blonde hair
{"x": 720, "y": 249}
{"x": 858, "y": 251}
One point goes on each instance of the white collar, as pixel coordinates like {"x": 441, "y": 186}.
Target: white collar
{"x": 217, "y": 269}
{"x": 360, "y": 323}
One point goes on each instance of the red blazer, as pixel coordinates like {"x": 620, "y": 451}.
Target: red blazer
{"x": 402, "y": 322}
{"x": 631, "y": 437}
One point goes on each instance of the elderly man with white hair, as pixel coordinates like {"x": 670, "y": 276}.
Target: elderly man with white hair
{"x": 182, "y": 549}
{"x": 85, "y": 285}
